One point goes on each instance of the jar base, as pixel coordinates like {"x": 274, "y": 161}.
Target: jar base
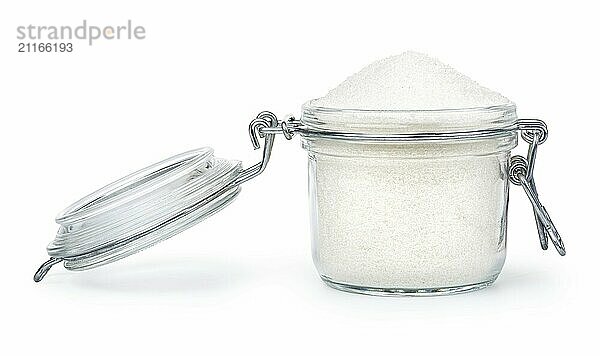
{"x": 408, "y": 292}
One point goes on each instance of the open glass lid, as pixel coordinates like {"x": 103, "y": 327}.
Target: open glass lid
{"x": 143, "y": 208}
{"x": 152, "y": 204}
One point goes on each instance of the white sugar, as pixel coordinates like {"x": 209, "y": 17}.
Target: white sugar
{"x": 409, "y": 81}
{"x": 409, "y": 215}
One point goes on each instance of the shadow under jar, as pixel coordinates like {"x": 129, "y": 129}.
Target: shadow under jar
{"x": 411, "y": 202}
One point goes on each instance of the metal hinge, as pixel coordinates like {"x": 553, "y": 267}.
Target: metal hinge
{"x": 534, "y": 132}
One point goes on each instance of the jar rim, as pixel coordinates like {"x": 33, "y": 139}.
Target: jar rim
{"x": 421, "y": 121}
{"x": 502, "y": 107}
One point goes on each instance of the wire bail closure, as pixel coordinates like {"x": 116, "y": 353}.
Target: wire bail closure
{"x": 534, "y": 132}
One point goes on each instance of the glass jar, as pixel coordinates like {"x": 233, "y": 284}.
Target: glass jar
{"x": 401, "y": 202}
{"x": 409, "y": 202}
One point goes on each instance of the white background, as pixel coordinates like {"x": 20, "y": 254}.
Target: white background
{"x": 243, "y": 281}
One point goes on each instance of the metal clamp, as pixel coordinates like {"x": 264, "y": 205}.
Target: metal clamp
{"x": 534, "y": 132}
{"x": 266, "y": 126}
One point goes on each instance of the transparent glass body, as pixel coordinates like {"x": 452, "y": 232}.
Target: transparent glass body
{"x": 413, "y": 217}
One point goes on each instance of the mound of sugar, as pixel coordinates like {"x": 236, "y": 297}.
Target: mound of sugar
{"x": 409, "y": 81}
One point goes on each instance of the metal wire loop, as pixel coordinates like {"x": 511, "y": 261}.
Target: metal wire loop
{"x": 530, "y": 127}
{"x": 44, "y": 268}
{"x": 266, "y": 126}
{"x": 517, "y": 169}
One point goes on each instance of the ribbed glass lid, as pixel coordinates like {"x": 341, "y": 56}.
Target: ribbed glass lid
{"x": 154, "y": 203}
{"x": 144, "y": 208}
